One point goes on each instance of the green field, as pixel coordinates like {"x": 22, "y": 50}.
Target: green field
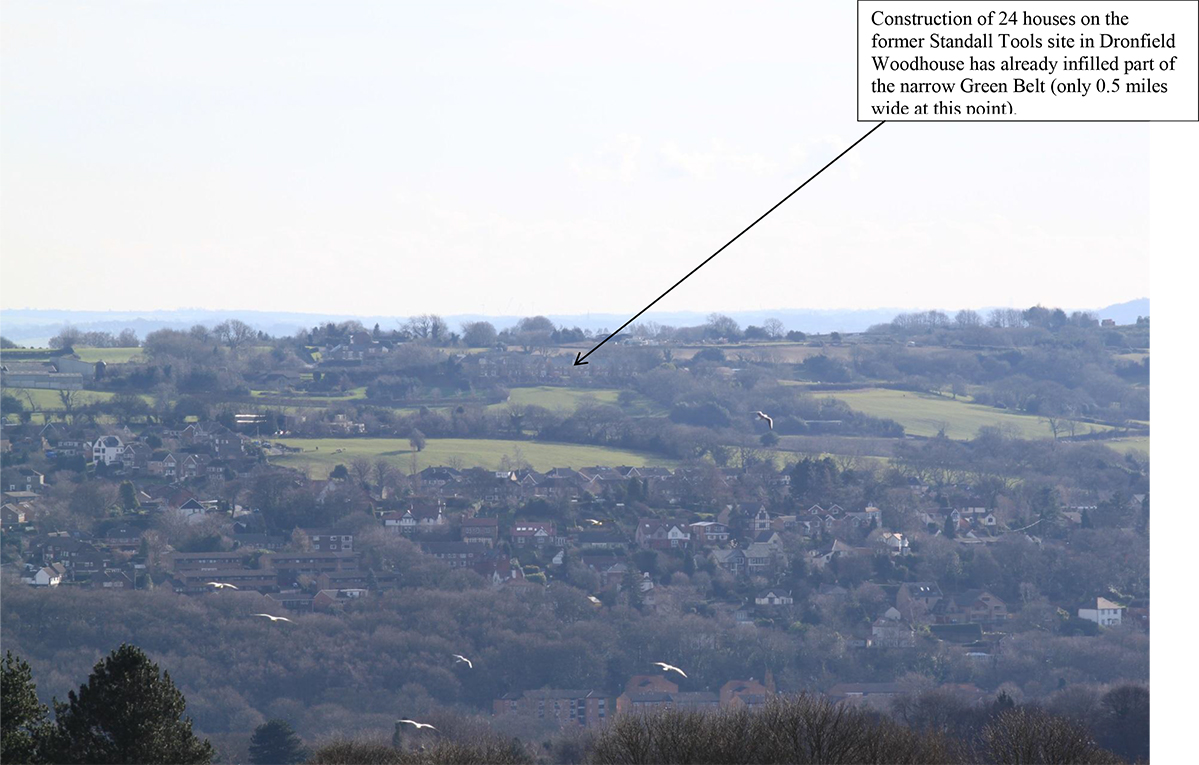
{"x": 50, "y": 401}
{"x": 320, "y": 455}
{"x": 925, "y": 414}
{"x": 570, "y": 399}
{"x": 110, "y": 355}
{"x": 1129, "y": 444}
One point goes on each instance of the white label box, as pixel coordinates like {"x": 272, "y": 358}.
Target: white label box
{"x": 1028, "y": 61}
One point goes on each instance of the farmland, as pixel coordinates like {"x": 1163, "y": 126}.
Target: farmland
{"x": 110, "y": 355}
{"x": 925, "y": 414}
{"x": 320, "y": 455}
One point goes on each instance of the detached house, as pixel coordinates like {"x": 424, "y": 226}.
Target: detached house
{"x": 709, "y": 533}
{"x": 481, "y": 531}
{"x": 533, "y": 534}
{"x": 655, "y": 534}
{"x": 1105, "y": 613}
{"x": 774, "y": 598}
{"x": 970, "y": 606}
{"x": 107, "y": 450}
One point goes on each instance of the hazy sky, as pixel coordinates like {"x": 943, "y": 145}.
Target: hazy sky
{"x": 522, "y": 157}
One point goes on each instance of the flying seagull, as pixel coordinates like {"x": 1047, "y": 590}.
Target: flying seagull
{"x": 669, "y": 668}
{"x": 277, "y": 618}
{"x": 459, "y": 658}
{"x": 594, "y": 522}
{"x": 766, "y": 417}
{"x": 222, "y": 586}
{"x": 418, "y": 725}
{"x": 595, "y": 601}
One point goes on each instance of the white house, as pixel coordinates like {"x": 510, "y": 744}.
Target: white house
{"x": 107, "y": 449}
{"x": 1105, "y": 613}
{"x": 894, "y": 543}
{"x": 47, "y": 576}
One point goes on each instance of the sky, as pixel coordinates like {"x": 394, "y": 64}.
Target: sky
{"x": 519, "y": 158}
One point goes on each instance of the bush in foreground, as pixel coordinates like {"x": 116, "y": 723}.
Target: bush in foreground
{"x": 798, "y": 729}
{"x": 479, "y": 752}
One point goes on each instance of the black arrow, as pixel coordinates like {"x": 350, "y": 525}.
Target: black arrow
{"x": 580, "y": 356}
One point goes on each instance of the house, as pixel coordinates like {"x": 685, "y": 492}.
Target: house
{"x": 893, "y": 543}
{"x": 709, "y": 533}
{"x": 774, "y": 598}
{"x": 585, "y": 708}
{"x": 203, "y": 561}
{"x": 343, "y": 580}
{"x": 482, "y": 531}
{"x": 12, "y": 515}
{"x": 292, "y": 600}
{"x": 732, "y": 560}
{"x": 970, "y": 606}
{"x": 916, "y": 601}
{"x": 46, "y": 576}
{"x": 123, "y": 538}
{"x": 456, "y": 554}
{"x": 858, "y": 691}
{"x": 657, "y": 534}
{"x": 822, "y": 556}
{"x": 194, "y": 581}
{"x": 891, "y": 631}
{"x": 255, "y": 541}
{"x": 1105, "y": 613}
{"x": 106, "y": 450}
{"x": 311, "y": 563}
{"x": 419, "y": 517}
{"x": 329, "y": 540}
{"x": 644, "y": 693}
{"x": 749, "y": 693}
{"x": 23, "y": 479}
{"x": 336, "y": 600}
{"x": 599, "y": 539}
{"x": 532, "y": 534}
{"x": 760, "y": 557}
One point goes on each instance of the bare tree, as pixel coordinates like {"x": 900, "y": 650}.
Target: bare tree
{"x": 68, "y": 398}
{"x": 361, "y": 468}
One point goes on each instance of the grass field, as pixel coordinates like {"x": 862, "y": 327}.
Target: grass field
{"x": 1130, "y": 444}
{"x": 49, "y": 400}
{"x": 570, "y": 399}
{"x": 110, "y": 355}
{"x": 924, "y": 414}
{"x": 320, "y": 454}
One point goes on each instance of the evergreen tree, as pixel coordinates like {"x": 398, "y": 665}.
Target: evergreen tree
{"x": 128, "y": 497}
{"x": 951, "y": 528}
{"x": 23, "y": 724}
{"x": 126, "y": 712}
{"x": 275, "y": 743}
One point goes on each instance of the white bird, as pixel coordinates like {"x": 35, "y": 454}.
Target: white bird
{"x": 459, "y": 658}
{"x": 766, "y": 417}
{"x": 594, "y": 522}
{"x": 418, "y": 725}
{"x": 277, "y": 618}
{"x": 594, "y": 600}
{"x": 669, "y": 668}
{"x": 222, "y": 586}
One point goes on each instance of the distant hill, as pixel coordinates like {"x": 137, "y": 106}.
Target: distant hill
{"x": 36, "y": 326}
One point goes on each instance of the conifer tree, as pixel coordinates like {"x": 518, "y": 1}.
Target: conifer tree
{"x": 126, "y": 712}
{"x": 275, "y": 743}
{"x": 23, "y": 725}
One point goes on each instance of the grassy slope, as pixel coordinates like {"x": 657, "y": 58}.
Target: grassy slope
{"x": 923, "y": 414}
{"x": 49, "y": 400}
{"x": 1130, "y": 444}
{"x": 110, "y": 355}
{"x": 474, "y": 452}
